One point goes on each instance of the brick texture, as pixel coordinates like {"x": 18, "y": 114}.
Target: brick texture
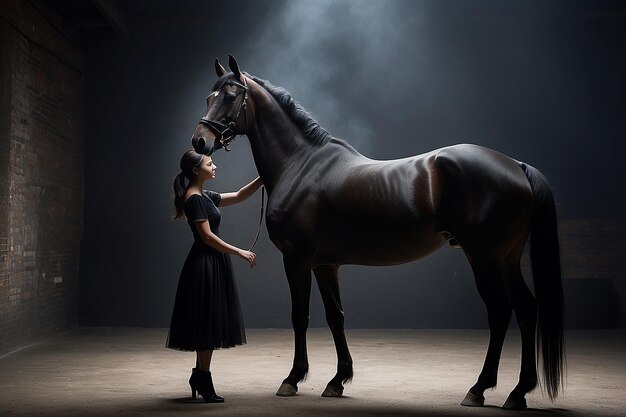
{"x": 596, "y": 249}
{"x": 41, "y": 173}
{"x": 592, "y": 249}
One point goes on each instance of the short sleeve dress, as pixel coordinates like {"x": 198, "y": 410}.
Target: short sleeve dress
{"x": 207, "y": 313}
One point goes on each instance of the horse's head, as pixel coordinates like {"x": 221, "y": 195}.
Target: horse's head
{"x": 227, "y": 111}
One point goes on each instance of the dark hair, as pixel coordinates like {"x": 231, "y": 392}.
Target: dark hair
{"x": 188, "y": 162}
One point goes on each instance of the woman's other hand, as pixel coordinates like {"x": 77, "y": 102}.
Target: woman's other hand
{"x": 248, "y": 256}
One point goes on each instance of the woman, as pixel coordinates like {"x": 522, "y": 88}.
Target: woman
{"x": 206, "y": 313}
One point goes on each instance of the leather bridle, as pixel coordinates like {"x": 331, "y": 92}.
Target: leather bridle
{"x": 225, "y": 132}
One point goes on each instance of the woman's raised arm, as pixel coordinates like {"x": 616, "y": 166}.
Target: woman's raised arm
{"x": 228, "y": 199}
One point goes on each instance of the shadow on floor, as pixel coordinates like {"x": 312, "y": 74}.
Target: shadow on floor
{"x": 242, "y": 406}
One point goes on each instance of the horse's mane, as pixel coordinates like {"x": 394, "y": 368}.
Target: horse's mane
{"x": 302, "y": 119}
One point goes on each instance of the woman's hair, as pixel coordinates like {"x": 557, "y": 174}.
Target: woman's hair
{"x": 188, "y": 162}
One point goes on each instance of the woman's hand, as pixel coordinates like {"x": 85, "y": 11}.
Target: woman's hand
{"x": 248, "y": 256}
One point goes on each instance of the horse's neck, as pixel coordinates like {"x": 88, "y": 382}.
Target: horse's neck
{"x": 277, "y": 144}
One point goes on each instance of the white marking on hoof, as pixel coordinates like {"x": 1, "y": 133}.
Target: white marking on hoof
{"x": 333, "y": 391}
{"x": 473, "y": 400}
{"x": 286, "y": 390}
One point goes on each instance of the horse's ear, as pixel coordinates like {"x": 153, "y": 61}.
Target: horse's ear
{"x": 219, "y": 69}
{"x": 234, "y": 67}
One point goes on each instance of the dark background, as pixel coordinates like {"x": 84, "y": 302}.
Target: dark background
{"x": 542, "y": 81}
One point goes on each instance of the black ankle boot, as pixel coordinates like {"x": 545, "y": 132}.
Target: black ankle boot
{"x": 201, "y": 381}
{"x": 193, "y": 383}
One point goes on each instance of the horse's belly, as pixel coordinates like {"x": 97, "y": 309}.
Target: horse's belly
{"x": 378, "y": 249}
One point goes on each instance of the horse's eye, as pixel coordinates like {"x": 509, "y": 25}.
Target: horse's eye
{"x": 230, "y": 97}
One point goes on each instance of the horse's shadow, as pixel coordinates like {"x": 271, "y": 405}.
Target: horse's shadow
{"x": 346, "y": 406}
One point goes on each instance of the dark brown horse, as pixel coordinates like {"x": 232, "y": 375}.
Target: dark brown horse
{"x": 329, "y": 206}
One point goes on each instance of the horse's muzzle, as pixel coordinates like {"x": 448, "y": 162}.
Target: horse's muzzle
{"x": 203, "y": 140}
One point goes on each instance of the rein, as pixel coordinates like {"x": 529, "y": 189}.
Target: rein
{"x": 258, "y": 230}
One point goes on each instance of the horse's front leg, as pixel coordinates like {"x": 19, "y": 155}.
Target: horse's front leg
{"x": 299, "y": 278}
{"x": 328, "y": 283}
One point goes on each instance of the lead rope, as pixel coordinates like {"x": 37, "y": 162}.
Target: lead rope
{"x": 258, "y": 231}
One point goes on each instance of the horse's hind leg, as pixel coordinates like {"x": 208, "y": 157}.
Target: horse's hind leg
{"x": 328, "y": 283}
{"x": 299, "y": 278}
{"x": 488, "y": 277}
{"x": 524, "y": 305}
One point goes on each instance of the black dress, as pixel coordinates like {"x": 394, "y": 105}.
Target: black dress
{"x": 206, "y": 314}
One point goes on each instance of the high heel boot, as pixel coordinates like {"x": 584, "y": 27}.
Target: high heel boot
{"x": 201, "y": 381}
{"x": 193, "y": 383}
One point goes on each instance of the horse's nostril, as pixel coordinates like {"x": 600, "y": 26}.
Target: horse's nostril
{"x": 199, "y": 144}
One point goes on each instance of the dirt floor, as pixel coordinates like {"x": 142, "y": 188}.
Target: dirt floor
{"x": 128, "y": 372}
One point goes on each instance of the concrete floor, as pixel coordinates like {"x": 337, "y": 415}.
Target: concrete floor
{"x": 127, "y": 371}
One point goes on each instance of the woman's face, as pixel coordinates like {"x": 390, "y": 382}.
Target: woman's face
{"x": 207, "y": 168}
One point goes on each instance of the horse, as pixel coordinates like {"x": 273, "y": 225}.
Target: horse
{"x": 328, "y": 206}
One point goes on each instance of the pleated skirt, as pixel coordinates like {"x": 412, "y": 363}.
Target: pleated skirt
{"x": 207, "y": 313}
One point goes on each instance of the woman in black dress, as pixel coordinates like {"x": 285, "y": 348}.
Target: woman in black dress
{"x": 206, "y": 314}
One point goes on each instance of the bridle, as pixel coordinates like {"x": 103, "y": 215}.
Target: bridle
{"x": 225, "y": 132}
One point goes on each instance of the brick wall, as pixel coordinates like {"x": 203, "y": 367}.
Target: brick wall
{"x": 596, "y": 250}
{"x": 41, "y": 173}
{"x": 593, "y": 264}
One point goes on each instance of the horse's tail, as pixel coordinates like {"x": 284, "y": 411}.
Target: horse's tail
{"x": 546, "y": 267}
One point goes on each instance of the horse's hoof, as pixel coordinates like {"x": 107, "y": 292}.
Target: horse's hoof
{"x": 333, "y": 391}
{"x": 286, "y": 390}
{"x": 514, "y": 403}
{"x": 473, "y": 400}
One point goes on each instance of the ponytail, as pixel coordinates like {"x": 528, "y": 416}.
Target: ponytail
{"x": 180, "y": 189}
{"x": 188, "y": 162}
